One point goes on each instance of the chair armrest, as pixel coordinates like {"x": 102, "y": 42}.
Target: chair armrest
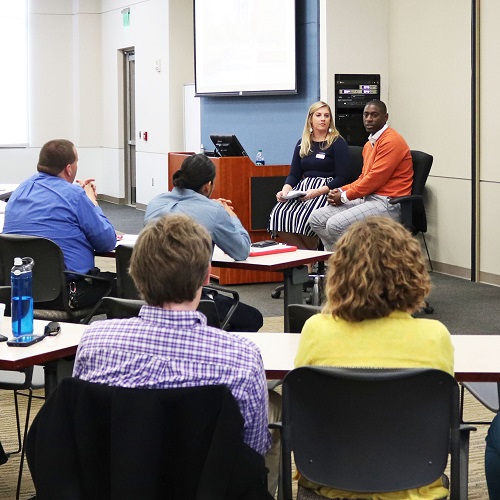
{"x": 83, "y": 275}
{"x": 460, "y": 474}
{"x": 94, "y": 309}
{"x": 403, "y": 199}
{"x": 236, "y": 301}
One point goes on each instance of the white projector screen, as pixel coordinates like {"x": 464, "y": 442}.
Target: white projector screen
{"x": 244, "y": 47}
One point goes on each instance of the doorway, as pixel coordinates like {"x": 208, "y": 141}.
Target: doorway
{"x": 129, "y": 109}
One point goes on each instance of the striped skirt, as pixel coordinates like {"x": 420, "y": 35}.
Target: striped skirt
{"x": 291, "y": 216}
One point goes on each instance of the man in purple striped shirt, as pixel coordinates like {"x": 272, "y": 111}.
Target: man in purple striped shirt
{"x": 170, "y": 345}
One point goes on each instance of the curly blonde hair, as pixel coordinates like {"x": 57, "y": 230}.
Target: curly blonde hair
{"x": 306, "y": 141}
{"x": 377, "y": 268}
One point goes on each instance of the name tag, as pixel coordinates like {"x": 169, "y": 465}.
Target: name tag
{"x": 320, "y": 156}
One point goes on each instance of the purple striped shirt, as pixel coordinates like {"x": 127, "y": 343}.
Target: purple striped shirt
{"x": 168, "y": 349}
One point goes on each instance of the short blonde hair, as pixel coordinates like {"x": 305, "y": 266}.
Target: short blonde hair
{"x": 306, "y": 141}
{"x": 377, "y": 268}
{"x": 170, "y": 260}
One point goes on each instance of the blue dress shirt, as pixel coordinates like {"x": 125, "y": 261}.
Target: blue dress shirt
{"x": 51, "y": 207}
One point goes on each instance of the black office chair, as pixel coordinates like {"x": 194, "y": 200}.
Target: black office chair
{"x": 127, "y": 290}
{"x": 116, "y": 308}
{"x": 96, "y": 441}
{"x": 298, "y": 314}
{"x": 49, "y": 276}
{"x": 412, "y": 206}
{"x": 395, "y": 434}
{"x": 487, "y": 393}
{"x": 413, "y": 215}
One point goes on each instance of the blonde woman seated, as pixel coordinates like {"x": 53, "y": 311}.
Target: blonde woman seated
{"x": 320, "y": 162}
{"x": 376, "y": 279}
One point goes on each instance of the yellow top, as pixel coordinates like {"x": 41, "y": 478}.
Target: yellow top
{"x": 397, "y": 341}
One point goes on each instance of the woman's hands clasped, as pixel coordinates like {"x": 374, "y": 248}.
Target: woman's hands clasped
{"x": 310, "y": 194}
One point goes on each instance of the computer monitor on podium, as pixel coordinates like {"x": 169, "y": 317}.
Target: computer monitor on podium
{"x": 227, "y": 145}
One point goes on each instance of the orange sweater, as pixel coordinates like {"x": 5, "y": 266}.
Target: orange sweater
{"x": 387, "y": 168}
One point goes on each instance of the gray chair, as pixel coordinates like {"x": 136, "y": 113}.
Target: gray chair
{"x": 116, "y": 308}
{"x": 487, "y": 393}
{"x": 127, "y": 290}
{"x": 298, "y": 314}
{"x": 49, "y": 276}
{"x": 396, "y": 433}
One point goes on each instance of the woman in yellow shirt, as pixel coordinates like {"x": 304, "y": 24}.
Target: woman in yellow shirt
{"x": 376, "y": 279}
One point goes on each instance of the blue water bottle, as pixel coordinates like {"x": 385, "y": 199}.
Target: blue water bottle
{"x": 21, "y": 278}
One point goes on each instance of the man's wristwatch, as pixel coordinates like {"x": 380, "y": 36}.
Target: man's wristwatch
{"x": 343, "y": 197}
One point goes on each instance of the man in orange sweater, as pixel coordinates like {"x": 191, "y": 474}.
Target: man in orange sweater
{"x": 387, "y": 173}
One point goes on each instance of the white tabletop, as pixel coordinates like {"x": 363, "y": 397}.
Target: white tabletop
{"x": 276, "y": 261}
{"x": 49, "y": 348}
{"x": 477, "y": 357}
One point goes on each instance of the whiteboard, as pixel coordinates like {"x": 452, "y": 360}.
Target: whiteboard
{"x": 244, "y": 47}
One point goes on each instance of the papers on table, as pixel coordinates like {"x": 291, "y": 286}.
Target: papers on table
{"x": 126, "y": 239}
{"x": 294, "y": 194}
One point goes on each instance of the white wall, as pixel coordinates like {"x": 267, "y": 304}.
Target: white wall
{"x": 429, "y": 65}
{"x": 353, "y": 39}
{"x": 489, "y": 172}
{"x": 76, "y": 87}
{"x": 424, "y": 63}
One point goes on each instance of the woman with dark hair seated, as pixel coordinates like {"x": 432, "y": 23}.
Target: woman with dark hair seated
{"x": 376, "y": 279}
{"x": 193, "y": 186}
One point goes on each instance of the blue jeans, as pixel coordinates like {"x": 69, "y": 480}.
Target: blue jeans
{"x": 492, "y": 459}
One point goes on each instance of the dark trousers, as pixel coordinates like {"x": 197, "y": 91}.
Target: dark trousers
{"x": 245, "y": 318}
{"x": 492, "y": 459}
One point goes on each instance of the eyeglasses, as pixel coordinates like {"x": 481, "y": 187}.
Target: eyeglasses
{"x": 52, "y": 329}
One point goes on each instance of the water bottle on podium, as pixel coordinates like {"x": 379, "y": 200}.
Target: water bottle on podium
{"x": 259, "y": 159}
{"x": 21, "y": 278}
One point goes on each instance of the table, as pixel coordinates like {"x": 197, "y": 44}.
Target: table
{"x": 293, "y": 265}
{"x": 477, "y": 357}
{"x": 6, "y": 190}
{"x": 50, "y": 352}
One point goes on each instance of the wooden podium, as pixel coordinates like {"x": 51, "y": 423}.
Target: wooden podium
{"x": 252, "y": 190}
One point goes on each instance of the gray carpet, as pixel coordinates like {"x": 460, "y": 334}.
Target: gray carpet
{"x": 464, "y": 307}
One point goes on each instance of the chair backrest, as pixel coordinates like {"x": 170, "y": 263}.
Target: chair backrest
{"x": 48, "y": 272}
{"x": 116, "y": 308}
{"x": 115, "y": 442}
{"x": 370, "y": 430}
{"x": 124, "y": 283}
{"x": 422, "y": 163}
{"x": 209, "y": 309}
{"x": 356, "y": 166}
{"x": 298, "y": 314}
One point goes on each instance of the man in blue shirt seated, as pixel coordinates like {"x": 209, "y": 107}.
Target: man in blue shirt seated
{"x": 193, "y": 186}
{"x": 52, "y": 205}
{"x": 170, "y": 345}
